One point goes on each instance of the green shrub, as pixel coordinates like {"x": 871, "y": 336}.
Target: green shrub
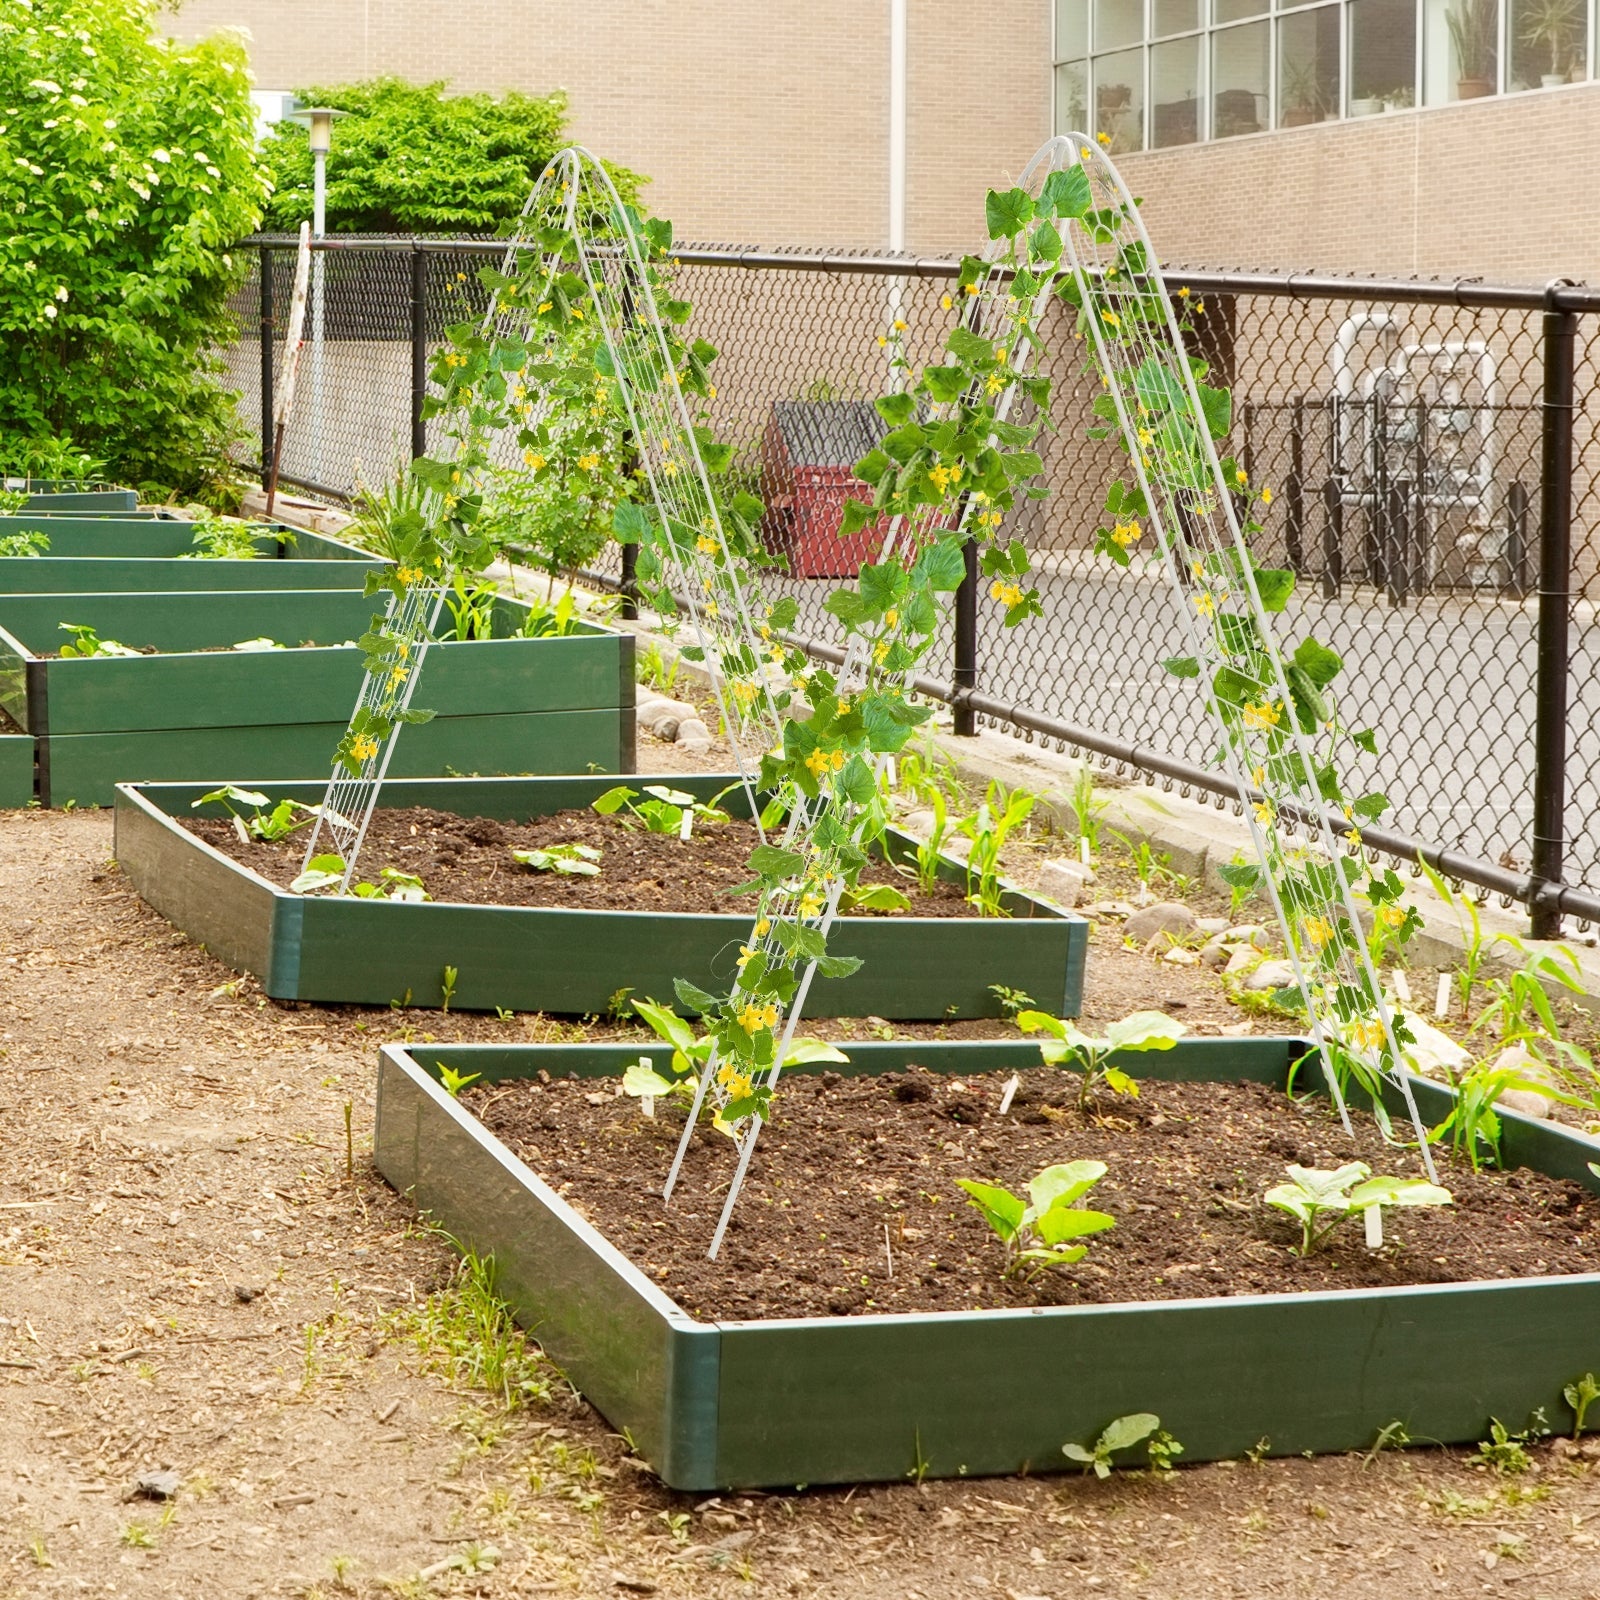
{"x": 127, "y": 171}
{"x": 409, "y": 159}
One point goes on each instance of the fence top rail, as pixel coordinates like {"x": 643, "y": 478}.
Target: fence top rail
{"x": 1558, "y": 295}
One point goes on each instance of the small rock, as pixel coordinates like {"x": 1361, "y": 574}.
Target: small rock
{"x": 1241, "y": 957}
{"x": 919, "y": 822}
{"x": 1181, "y": 958}
{"x": 1166, "y": 916}
{"x": 1435, "y": 1054}
{"x": 1247, "y": 933}
{"x": 958, "y": 847}
{"x": 1212, "y": 925}
{"x": 694, "y": 735}
{"x": 156, "y": 1486}
{"x": 1110, "y": 908}
{"x": 1064, "y": 880}
{"x": 244, "y": 1293}
{"x": 1526, "y": 1102}
{"x": 1590, "y": 1449}
{"x": 1215, "y": 955}
{"x": 1270, "y": 975}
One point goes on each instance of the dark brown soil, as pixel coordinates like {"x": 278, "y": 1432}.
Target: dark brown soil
{"x": 856, "y": 1169}
{"x": 468, "y": 860}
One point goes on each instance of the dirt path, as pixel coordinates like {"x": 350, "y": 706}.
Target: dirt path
{"x": 189, "y": 1282}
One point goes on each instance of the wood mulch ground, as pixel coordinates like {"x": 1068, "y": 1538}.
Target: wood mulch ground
{"x": 190, "y": 1281}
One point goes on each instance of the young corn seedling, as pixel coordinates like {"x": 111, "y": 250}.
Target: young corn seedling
{"x": 1086, "y": 808}
{"x": 570, "y": 860}
{"x": 1123, "y": 1434}
{"x": 928, "y": 856}
{"x": 1068, "y": 1047}
{"x": 1038, "y": 1232}
{"x": 1320, "y": 1200}
{"x": 988, "y": 828}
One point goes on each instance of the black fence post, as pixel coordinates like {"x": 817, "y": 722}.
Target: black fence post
{"x": 1517, "y": 538}
{"x": 1555, "y": 578}
{"x": 964, "y": 676}
{"x": 629, "y": 584}
{"x": 1295, "y": 522}
{"x": 267, "y": 399}
{"x": 419, "y": 349}
{"x": 1332, "y": 538}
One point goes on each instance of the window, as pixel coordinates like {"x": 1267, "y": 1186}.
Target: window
{"x": 1239, "y": 80}
{"x": 1308, "y": 67}
{"x": 1175, "y": 92}
{"x": 1153, "y": 74}
{"x": 1119, "y": 100}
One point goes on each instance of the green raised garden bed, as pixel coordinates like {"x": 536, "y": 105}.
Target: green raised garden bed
{"x": 48, "y": 496}
{"x": 89, "y": 555}
{"x": 842, "y": 1399}
{"x": 16, "y": 770}
{"x": 564, "y": 960}
{"x": 202, "y": 709}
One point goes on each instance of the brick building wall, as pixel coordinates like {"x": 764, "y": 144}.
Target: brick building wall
{"x": 1502, "y": 189}
{"x": 759, "y": 123}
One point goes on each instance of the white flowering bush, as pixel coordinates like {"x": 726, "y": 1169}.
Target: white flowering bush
{"x": 127, "y": 172}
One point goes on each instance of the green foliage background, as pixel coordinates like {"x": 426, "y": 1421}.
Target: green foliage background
{"x": 127, "y": 171}
{"x": 410, "y": 159}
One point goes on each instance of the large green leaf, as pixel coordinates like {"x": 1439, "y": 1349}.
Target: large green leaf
{"x": 1001, "y": 1209}
{"x": 1145, "y": 1030}
{"x": 1066, "y": 193}
{"x": 1061, "y": 1185}
{"x": 1007, "y": 212}
{"x": 1063, "y": 1222}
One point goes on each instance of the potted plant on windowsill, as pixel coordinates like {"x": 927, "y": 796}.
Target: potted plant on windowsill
{"x": 1302, "y": 94}
{"x": 1555, "y": 25}
{"x": 1474, "y": 29}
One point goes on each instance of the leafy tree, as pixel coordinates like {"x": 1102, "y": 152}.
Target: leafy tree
{"x": 410, "y": 159}
{"x": 127, "y": 171}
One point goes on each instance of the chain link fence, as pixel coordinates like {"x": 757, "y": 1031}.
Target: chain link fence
{"x": 1419, "y": 438}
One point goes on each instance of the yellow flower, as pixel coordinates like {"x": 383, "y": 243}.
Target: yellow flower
{"x": 810, "y": 905}
{"x": 1264, "y": 813}
{"x": 891, "y": 617}
{"x": 843, "y": 707}
{"x": 706, "y": 545}
{"x": 994, "y": 383}
{"x": 1104, "y": 139}
{"x": 1367, "y": 1034}
{"x": 745, "y": 694}
{"x": 1392, "y": 916}
{"x": 899, "y": 325}
{"x": 763, "y": 927}
{"x": 1112, "y": 318}
{"x": 397, "y": 675}
{"x": 746, "y": 953}
{"x": 1240, "y": 476}
{"x": 1319, "y": 931}
{"x": 711, "y": 608}
{"x": 1266, "y": 715}
{"x": 883, "y": 340}
{"x": 577, "y": 312}
{"x": 1353, "y": 838}
{"x": 544, "y": 306}
{"x": 837, "y": 760}
{"x": 880, "y": 651}
{"x": 946, "y": 303}
{"x": 1205, "y": 605}
{"x": 363, "y": 747}
{"x": 1085, "y": 151}
{"x": 817, "y": 761}
{"x": 753, "y": 1019}
{"x": 972, "y": 288}
{"x": 588, "y": 462}
{"x": 711, "y": 391}
{"x": 1184, "y": 292}
{"x": 1266, "y": 497}
{"x": 1259, "y": 776}
{"x": 533, "y": 459}
{"x": 1008, "y": 594}
{"x": 1127, "y": 533}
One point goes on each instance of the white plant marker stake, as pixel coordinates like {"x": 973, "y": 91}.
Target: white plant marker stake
{"x": 1441, "y": 1003}
{"x": 1083, "y": 848}
{"x": 888, "y": 1249}
{"x": 686, "y": 824}
{"x": 1374, "y": 1220}
{"x": 1402, "y": 987}
{"x": 1007, "y": 1094}
{"x": 892, "y": 772}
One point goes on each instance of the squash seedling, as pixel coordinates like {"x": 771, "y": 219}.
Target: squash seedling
{"x": 326, "y": 871}
{"x": 86, "y": 643}
{"x": 267, "y": 826}
{"x": 663, "y": 812}
{"x": 569, "y": 860}
{"x": 1123, "y": 1434}
{"x": 1068, "y": 1047}
{"x": 1036, "y": 1232}
{"x": 1320, "y": 1200}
